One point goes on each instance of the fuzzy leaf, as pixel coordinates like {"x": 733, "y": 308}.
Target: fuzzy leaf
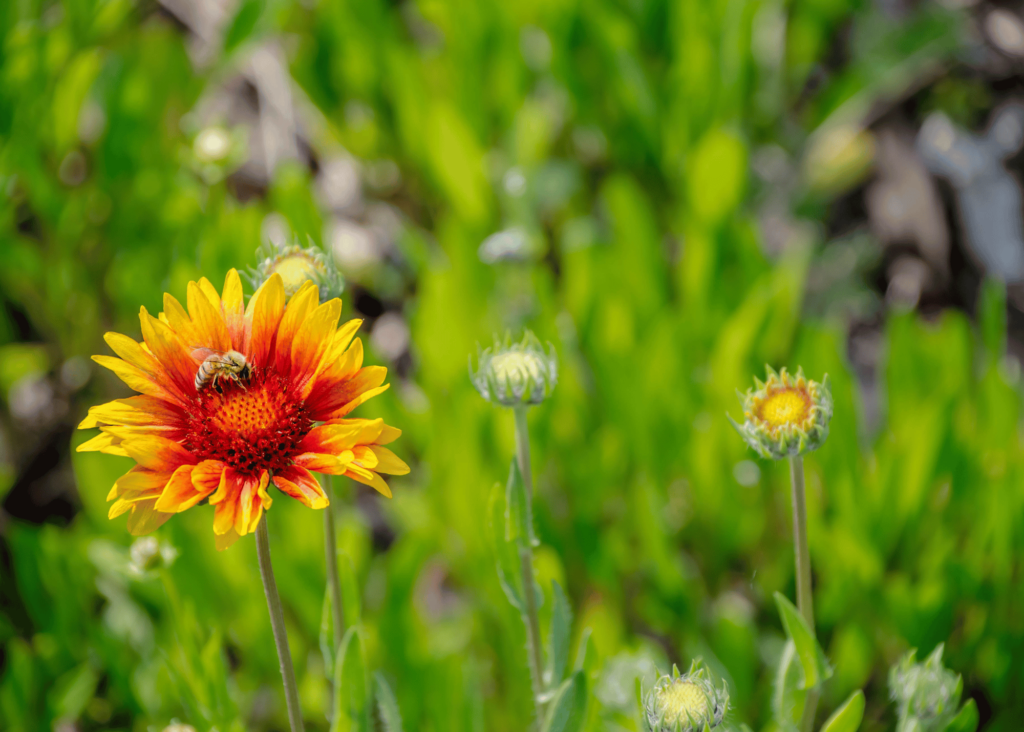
{"x": 517, "y": 517}
{"x": 847, "y": 718}
{"x": 505, "y": 552}
{"x": 966, "y": 720}
{"x": 568, "y": 708}
{"x": 351, "y": 687}
{"x": 787, "y": 699}
{"x": 813, "y": 665}
{"x": 558, "y": 641}
{"x": 586, "y": 656}
{"x": 387, "y": 705}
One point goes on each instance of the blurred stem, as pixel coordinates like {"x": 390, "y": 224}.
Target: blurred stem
{"x": 523, "y": 456}
{"x": 284, "y": 655}
{"x": 530, "y": 618}
{"x": 333, "y": 579}
{"x": 804, "y": 596}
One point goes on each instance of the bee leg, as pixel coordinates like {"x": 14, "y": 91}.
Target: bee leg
{"x": 216, "y": 385}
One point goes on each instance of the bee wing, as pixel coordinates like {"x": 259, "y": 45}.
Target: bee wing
{"x": 202, "y": 354}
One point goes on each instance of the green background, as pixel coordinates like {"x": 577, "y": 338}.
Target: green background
{"x": 633, "y": 125}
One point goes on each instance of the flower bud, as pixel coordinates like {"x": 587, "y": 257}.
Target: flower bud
{"x": 785, "y": 416}
{"x": 926, "y": 694}
{"x": 297, "y": 265}
{"x": 147, "y": 555}
{"x": 216, "y": 152}
{"x": 510, "y": 373}
{"x": 686, "y": 703}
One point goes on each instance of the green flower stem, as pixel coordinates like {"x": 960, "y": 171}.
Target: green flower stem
{"x": 284, "y": 654}
{"x": 530, "y": 617}
{"x": 333, "y": 579}
{"x": 523, "y": 456}
{"x": 804, "y": 595}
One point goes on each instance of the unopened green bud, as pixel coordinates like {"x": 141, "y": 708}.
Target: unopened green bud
{"x": 147, "y": 555}
{"x": 686, "y": 702}
{"x": 298, "y": 265}
{"x": 510, "y": 373}
{"x": 217, "y": 151}
{"x": 785, "y": 416}
{"x": 927, "y": 694}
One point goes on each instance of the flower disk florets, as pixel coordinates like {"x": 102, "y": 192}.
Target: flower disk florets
{"x": 511, "y": 374}
{"x": 686, "y": 703}
{"x": 786, "y": 415}
{"x": 297, "y": 265}
{"x": 926, "y": 694}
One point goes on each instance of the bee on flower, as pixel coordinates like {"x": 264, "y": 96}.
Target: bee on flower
{"x": 785, "y": 416}
{"x": 266, "y": 404}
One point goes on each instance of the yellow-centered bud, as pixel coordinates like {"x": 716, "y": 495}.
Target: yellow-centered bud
{"x": 298, "y": 265}
{"x": 785, "y": 415}
{"x": 686, "y": 702}
{"x": 515, "y": 373}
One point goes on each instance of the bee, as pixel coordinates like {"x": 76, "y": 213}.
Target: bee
{"x": 218, "y": 365}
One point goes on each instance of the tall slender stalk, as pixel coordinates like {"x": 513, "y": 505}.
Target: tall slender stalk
{"x": 333, "y": 579}
{"x": 804, "y": 595}
{"x": 530, "y": 618}
{"x": 284, "y": 655}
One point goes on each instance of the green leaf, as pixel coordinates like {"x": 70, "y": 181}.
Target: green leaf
{"x": 966, "y": 720}
{"x": 351, "y": 687}
{"x": 558, "y": 641}
{"x": 506, "y": 553}
{"x": 73, "y": 690}
{"x": 517, "y": 517}
{"x": 387, "y": 705}
{"x": 586, "y": 656}
{"x": 568, "y": 708}
{"x": 992, "y": 316}
{"x": 326, "y": 638}
{"x": 813, "y": 665}
{"x": 847, "y": 718}
{"x": 717, "y": 175}
{"x": 351, "y": 597}
{"x": 243, "y": 24}
{"x": 788, "y": 700}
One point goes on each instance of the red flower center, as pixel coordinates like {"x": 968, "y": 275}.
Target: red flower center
{"x": 252, "y": 429}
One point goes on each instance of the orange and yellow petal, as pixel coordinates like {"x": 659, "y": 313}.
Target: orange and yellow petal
{"x": 388, "y": 462}
{"x": 330, "y": 400}
{"x": 157, "y": 453}
{"x": 312, "y": 341}
{"x": 373, "y": 480}
{"x": 265, "y": 310}
{"x": 145, "y": 518}
{"x": 135, "y": 411}
{"x": 301, "y": 484}
{"x": 208, "y": 320}
{"x": 299, "y": 308}
{"x": 180, "y": 492}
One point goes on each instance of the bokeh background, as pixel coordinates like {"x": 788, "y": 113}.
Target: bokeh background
{"x": 671, "y": 192}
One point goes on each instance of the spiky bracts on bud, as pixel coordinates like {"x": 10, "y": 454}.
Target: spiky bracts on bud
{"x": 785, "y": 415}
{"x": 686, "y": 702}
{"x": 927, "y": 694}
{"x": 296, "y": 265}
{"x": 510, "y": 373}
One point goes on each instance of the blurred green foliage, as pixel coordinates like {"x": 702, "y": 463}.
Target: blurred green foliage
{"x": 617, "y": 136}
